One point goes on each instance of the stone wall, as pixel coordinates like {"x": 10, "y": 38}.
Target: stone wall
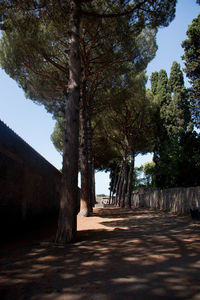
{"x": 29, "y": 184}
{"x": 176, "y": 200}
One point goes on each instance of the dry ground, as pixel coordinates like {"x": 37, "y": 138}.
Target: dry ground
{"x": 119, "y": 254}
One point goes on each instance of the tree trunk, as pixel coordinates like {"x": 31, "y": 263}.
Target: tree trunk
{"x": 67, "y": 223}
{"x": 121, "y": 180}
{"x": 130, "y": 181}
{"x": 118, "y": 188}
{"x": 111, "y": 185}
{"x": 124, "y": 185}
{"x": 114, "y": 185}
{"x": 90, "y": 160}
{"x": 84, "y": 166}
{"x": 93, "y": 185}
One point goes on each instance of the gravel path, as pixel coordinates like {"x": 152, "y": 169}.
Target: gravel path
{"x": 119, "y": 254}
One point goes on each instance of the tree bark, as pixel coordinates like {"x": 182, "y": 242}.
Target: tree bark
{"x": 111, "y": 185}
{"x": 130, "y": 181}
{"x": 84, "y": 166}
{"x": 121, "y": 180}
{"x": 118, "y": 187}
{"x": 67, "y": 223}
{"x": 93, "y": 185}
{"x": 114, "y": 185}
{"x": 90, "y": 161}
{"x": 124, "y": 185}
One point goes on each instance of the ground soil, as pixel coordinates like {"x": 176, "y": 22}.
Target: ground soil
{"x": 119, "y": 254}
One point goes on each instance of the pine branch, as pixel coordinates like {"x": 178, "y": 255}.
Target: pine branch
{"x": 114, "y": 15}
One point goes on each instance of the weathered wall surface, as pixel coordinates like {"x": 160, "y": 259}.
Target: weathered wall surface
{"x": 29, "y": 184}
{"x": 177, "y": 200}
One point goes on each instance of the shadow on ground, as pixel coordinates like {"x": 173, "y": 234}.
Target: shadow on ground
{"x": 140, "y": 254}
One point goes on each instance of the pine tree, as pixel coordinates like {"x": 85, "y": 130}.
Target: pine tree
{"x": 64, "y": 18}
{"x": 126, "y": 121}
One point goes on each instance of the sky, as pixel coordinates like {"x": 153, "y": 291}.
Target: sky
{"x": 32, "y": 123}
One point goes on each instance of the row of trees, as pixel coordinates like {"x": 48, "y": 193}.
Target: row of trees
{"x": 176, "y": 143}
{"x": 136, "y": 120}
{"x": 86, "y": 59}
{"x": 170, "y": 134}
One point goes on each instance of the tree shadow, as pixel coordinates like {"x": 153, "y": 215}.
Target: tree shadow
{"x": 143, "y": 255}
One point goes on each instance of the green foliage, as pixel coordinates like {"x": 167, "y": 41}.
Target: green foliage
{"x": 154, "y": 82}
{"x": 105, "y": 152}
{"x": 179, "y": 163}
{"x": 101, "y": 195}
{"x": 144, "y": 175}
{"x": 31, "y": 54}
{"x": 115, "y": 85}
{"x": 149, "y": 172}
{"x": 57, "y": 136}
{"x": 176, "y": 112}
{"x": 115, "y": 37}
{"x": 192, "y": 65}
{"x": 128, "y": 115}
{"x": 173, "y": 130}
{"x": 34, "y": 47}
{"x": 189, "y": 162}
{"x": 162, "y": 89}
{"x": 176, "y": 81}
{"x": 34, "y": 51}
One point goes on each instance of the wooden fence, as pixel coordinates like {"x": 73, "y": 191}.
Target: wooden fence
{"x": 176, "y": 200}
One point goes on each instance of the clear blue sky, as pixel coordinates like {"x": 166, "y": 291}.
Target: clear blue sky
{"x": 35, "y": 125}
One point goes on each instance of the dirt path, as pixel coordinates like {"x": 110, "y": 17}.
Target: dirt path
{"x": 119, "y": 254}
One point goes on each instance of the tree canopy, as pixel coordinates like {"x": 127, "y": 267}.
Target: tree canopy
{"x": 41, "y": 49}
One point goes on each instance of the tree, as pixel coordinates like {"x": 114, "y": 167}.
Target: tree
{"x": 145, "y": 43}
{"x": 158, "y": 13}
{"x": 176, "y": 81}
{"x": 30, "y": 22}
{"x": 173, "y": 128}
{"x": 135, "y": 47}
{"x": 177, "y": 110}
{"x": 145, "y": 175}
{"x": 57, "y": 136}
{"x": 162, "y": 89}
{"x": 99, "y": 59}
{"x": 67, "y": 217}
{"x": 125, "y": 122}
{"x": 191, "y": 58}
{"x": 154, "y": 82}
{"x": 149, "y": 173}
